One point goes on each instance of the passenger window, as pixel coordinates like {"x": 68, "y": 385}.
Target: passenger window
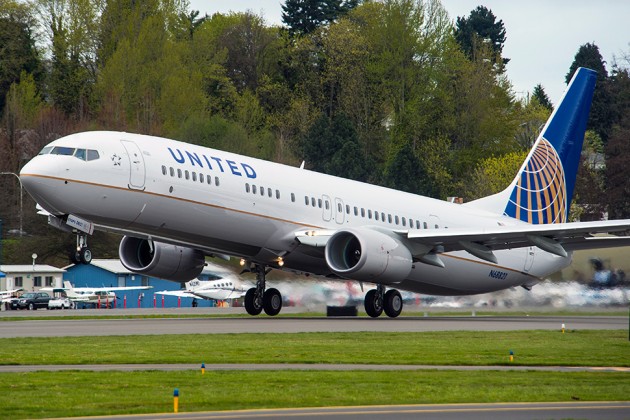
{"x": 347, "y": 209}
{"x": 313, "y": 201}
{"x": 362, "y": 212}
{"x": 396, "y": 219}
{"x": 356, "y": 211}
{"x": 370, "y": 214}
{"x": 163, "y": 170}
{"x": 339, "y": 208}
{"x": 417, "y": 224}
{"x": 194, "y": 176}
{"x": 404, "y": 222}
{"x": 437, "y": 227}
{"x": 172, "y": 171}
{"x": 187, "y": 174}
{"x": 246, "y": 187}
{"x": 262, "y": 191}
{"x": 179, "y": 173}
{"x": 306, "y": 200}
{"x": 209, "y": 179}
{"x": 376, "y": 215}
{"x": 389, "y": 218}
{"x": 327, "y": 204}
{"x": 278, "y": 194}
{"x": 293, "y": 197}
{"x": 269, "y": 194}
{"x": 254, "y": 189}
{"x": 216, "y": 181}
{"x": 319, "y": 203}
{"x": 425, "y": 225}
{"x": 201, "y": 177}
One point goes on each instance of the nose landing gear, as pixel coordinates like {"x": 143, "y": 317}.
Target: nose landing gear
{"x": 82, "y": 254}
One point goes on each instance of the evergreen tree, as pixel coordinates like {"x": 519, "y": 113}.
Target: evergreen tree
{"x": 541, "y": 96}
{"x": 304, "y": 16}
{"x": 481, "y": 25}
{"x": 617, "y": 187}
{"x": 602, "y": 114}
{"x": 17, "y": 47}
{"x": 407, "y": 173}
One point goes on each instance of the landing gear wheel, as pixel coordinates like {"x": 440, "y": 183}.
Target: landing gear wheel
{"x": 392, "y": 303}
{"x": 373, "y": 303}
{"x": 75, "y": 257}
{"x": 253, "y": 303}
{"x": 85, "y": 255}
{"x": 272, "y": 302}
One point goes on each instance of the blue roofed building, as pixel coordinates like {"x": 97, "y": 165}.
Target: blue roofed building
{"x": 111, "y": 273}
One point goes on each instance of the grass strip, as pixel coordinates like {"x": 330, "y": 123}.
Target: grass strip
{"x": 544, "y": 348}
{"x": 62, "y": 394}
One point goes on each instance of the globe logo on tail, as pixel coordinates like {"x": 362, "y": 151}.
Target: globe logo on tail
{"x": 540, "y": 194}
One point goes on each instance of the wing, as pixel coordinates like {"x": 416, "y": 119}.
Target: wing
{"x": 178, "y": 293}
{"x": 110, "y": 289}
{"x": 557, "y": 239}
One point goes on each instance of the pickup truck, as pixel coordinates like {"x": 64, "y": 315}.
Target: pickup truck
{"x": 31, "y": 301}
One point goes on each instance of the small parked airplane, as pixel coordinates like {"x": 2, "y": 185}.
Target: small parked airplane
{"x": 91, "y": 295}
{"x": 176, "y": 203}
{"x": 223, "y": 289}
{"x": 7, "y": 295}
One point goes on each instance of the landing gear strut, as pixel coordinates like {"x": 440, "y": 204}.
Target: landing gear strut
{"x": 257, "y": 298}
{"x": 83, "y": 254}
{"x": 377, "y": 301}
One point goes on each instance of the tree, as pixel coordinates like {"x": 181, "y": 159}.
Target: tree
{"x": 601, "y": 117}
{"x": 18, "y": 51}
{"x": 407, "y": 173}
{"x": 493, "y": 175}
{"x": 304, "y": 16}
{"x": 540, "y": 95}
{"x": 617, "y": 187}
{"x": 481, "y": 26}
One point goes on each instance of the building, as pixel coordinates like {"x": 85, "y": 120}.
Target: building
{"x": 111, "y": 273}
{"x": 30, "y": 277}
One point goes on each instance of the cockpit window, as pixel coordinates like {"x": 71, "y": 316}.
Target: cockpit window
{"x": 60, "y": 150}
{"x": 83, "y": 154}
{"x": 80, "y": 153}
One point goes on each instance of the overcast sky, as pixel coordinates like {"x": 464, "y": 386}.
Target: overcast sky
{"x": 542, "y": 35}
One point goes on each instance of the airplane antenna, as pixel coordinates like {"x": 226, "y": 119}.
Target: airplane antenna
{"x": 302, "y": 165}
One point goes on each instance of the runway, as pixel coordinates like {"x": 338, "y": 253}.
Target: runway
{"x": 513, "y": 411}
{"x": 264, "y": 324}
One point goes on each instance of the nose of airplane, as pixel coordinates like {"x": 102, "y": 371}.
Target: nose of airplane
{"x": 36, "y": 179}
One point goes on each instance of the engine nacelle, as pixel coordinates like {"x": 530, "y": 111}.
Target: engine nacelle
{"x": 368, "y": 255}
{"x": 160, "y": 260}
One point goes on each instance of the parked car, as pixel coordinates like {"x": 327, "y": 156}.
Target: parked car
{"x": 31, "y": 301}
{"x": 60, "y": 303}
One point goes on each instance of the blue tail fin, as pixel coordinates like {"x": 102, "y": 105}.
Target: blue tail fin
{"x": 541, "y": 192}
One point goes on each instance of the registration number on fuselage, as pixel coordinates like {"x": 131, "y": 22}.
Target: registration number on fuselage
{"x": 497, "y": 274}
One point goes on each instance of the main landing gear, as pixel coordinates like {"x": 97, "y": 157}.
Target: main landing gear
{"x": 377, "y": 301}
{"x": 83, "y": 254}
{"x": 257, "y": 298}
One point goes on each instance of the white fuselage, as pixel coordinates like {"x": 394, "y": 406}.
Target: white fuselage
{"x": 225, "y": 203}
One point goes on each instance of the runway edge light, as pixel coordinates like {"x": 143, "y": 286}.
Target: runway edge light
{"x": 176, "y": 400}
{"x": 203, "y": 368}
{"x": 511, "y": 356}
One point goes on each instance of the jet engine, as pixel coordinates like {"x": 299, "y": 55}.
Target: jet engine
{"x": 160, "y": 260}
{"x": 368, "y": 255}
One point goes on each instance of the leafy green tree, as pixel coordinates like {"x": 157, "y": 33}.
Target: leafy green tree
{"x": 601, "y": 117}
{"x": 18, "y": 51}
{"x": 304, "y": 16}
{"x": 617, "y": 187}
{"x": 540, "y": 95}
{"x": 493, "y": 175}
{"x": 479, "y": 26}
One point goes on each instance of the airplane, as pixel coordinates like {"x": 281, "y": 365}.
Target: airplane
{"x": 223, "y": 289}
{"x": 91, "y": 295}
{"x": 7, "y": 295}
{"x": 176, "y": 203}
